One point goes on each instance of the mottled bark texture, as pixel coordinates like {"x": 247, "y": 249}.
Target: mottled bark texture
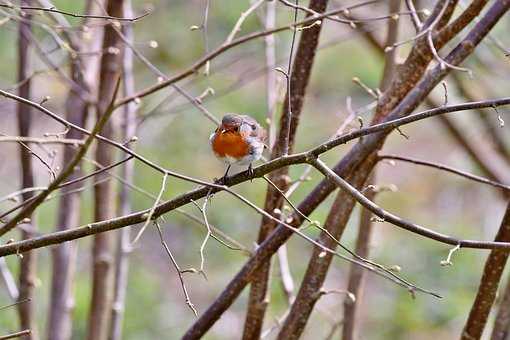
{"x": 489, "y": 283}
{"x": 301, "y": 70}
{"x": 104, "y": 193}
{"x": 28, "y": 265}
{"x": 310, "y": 290}
{"x": 501, "y": 330}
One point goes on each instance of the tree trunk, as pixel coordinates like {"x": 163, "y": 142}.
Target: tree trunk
{"x": 104, "y": 194}
{"x": 28, "y": 269}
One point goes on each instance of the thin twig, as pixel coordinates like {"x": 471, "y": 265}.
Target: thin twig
{"x": 219, "y": 50}
{"x": 242, "y": 18}
{"x": 74, "y": 15}
{"x": 36, "y": 140}
{"x": 177, "y": 269}
{"x": 448, "y": 169}
{"x": 60, "y": 186}
{"x": 16, "y": 335}
{"x": 414, "y": 16}
{"x": 10, "y": 283}
{"x": 208, "y": 234}
{"x": 286, "y": 129}
{"x": 194, "y": 101}
{"x": 15, "y": 304}
{"x": 151, "y": 211}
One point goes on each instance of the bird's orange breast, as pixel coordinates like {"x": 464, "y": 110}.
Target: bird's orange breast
{"x": 230, "y": 144}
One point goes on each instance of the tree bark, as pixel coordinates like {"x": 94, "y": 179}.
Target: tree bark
{"x": 489, "y": 283}
{"x": 28, "y": 264}
{"x": 64, "y": 255}
{"x": 127, "y": 171}
{"x": 501, "y": 330}
{"x": 104, "y": 193}
{"x": 356, "y": 274}
{"x": 310, "y": 290}
{"x": 301, "y": 70}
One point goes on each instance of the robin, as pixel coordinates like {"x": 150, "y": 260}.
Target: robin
{"x": 238, "y": 140}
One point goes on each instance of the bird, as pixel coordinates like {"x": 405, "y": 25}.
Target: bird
{"x": 238, "y": 140}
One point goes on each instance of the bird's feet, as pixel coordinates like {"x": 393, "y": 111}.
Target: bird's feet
{"x": 221, "y": 180}
{"x": 250, "y": 172}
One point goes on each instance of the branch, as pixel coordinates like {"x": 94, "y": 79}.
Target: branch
{"x": 489, "y": 282}
{"x": 219, "y": 50}
{"x": 74, "y": 15}
{"x": 350, "y": 326}
{"x": 297, "y": 79}
{"x": 177, "y": 269}
{"x": 35, "y": 140}
{"x": 27, "y": 211}
{"x": 299, "y": 158}
{"x": 59, "y": 320}
{"x": 26, "y": 332}
{"x": 399, "y": 222}
{"x": 318, "y": 265}
{"x": 447, "y": 169}
{"x": 394, "y": 106}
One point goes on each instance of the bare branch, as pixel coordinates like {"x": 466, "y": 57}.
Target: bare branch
{"x": 74, "y": 15}
{"x": 300, "y": 158}
{"x": 35, "y": 140}
{"x": 151, "y": 211}
{"x": 26, "y": 332}
{"x": 447, "y": 169}
{"x": 242, "y": 18}
{"x": 219, "y": 50}
{"x": 177, "y": 269}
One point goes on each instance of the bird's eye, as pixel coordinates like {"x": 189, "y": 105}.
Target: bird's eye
{"x": 253, "y": 127}
{"x": 236, "y": 129}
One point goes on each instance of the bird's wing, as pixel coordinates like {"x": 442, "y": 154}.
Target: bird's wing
{"x": 257, "y": 130}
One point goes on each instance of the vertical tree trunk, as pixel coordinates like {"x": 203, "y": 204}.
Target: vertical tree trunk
{"x": 486, "y": 294}
{"x": 123, "y": 242}
{"x": 64, "y": 255}
{"x": 28, "y": 269}
{"x": 301, "y": 71}
{"x": 310, "y": 290}
{"x": 357, "y": 274}
{"x": 68, "y": 215}
{"x": 104, "y": 195}
{"x": 501, "y": 330}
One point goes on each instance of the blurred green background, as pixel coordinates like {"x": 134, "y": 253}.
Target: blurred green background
{"x": 176, "y": 137}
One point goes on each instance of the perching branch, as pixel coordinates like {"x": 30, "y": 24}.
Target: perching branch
{"x": 299, "y": 158}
